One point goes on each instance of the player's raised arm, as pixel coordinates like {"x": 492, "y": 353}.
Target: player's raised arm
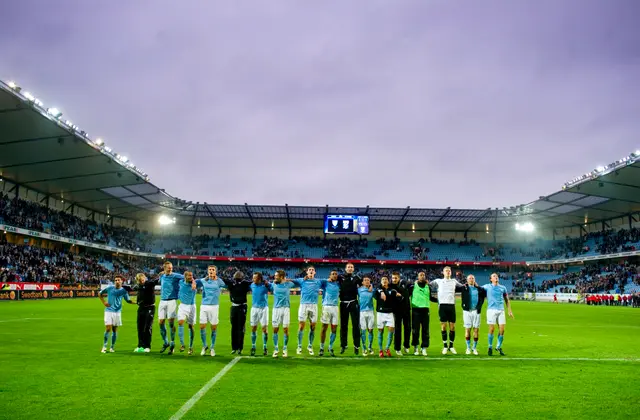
{"x": 176, "y": 276}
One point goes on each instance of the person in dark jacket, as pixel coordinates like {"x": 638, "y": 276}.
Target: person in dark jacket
{"x": 349, "y": 307}
{"x": 472, "y": 299}
{"x": 401, "y": 315}
{"x": 238, "y": 289}
{"x": 146, "y": 300}
{"x": 385, "y": 297}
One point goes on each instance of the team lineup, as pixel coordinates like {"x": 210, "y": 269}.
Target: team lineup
{"x": 402, "y": 308}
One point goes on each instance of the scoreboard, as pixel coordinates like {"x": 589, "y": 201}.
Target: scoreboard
{"x": 346, "y": 224}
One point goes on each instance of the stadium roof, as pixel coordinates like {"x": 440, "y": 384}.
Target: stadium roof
{"x": 45, "y": 153}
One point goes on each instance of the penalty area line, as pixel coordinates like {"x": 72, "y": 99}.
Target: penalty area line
{"x": 196, "y": 397}
{"x": 464, "y": 359}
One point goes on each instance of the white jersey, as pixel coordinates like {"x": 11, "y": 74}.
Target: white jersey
{"x": 446, "y": 290}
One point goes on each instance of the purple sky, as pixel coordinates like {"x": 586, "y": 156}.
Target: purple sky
{"x": 424, "y": 103}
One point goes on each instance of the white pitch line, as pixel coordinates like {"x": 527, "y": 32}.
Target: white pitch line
{"x": 196, "y": 397}
{"x": 49, "y": 319}
{"x": 453, "y": 358}
{"x": 29, "y": 319}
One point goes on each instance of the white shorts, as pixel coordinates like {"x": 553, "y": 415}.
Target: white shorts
{"x": 209, "y": 314}
{"x": 259, "y": 316}
{"x": 329, "y": 315}
{"x": 366, "y": 320}
{"x": 113, "y": 318}
{"x": 471, "y": 319}
{"x": 167, "y": 309}
{"x": 308, "y": 311}
{"x": 496, "y": 316}
{"x": 385, "y": 320}
{"x": 187, "y": 313}
{"x": 281, "y": 316}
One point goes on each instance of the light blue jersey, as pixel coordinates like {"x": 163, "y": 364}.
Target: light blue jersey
{"x": 187, "y": 295}
{"x": 473, "y": 294}
{"x": 330, "y": 292}
{"x": 495, "y": 296}
{"x": 259, "y": 295}
{"x": 114, "y": 298}
{"x": 366, "y": 298}
{"x": 210, "y": 290}
{"x": 309, "y": 290}
{"x": 170, "y": 286}
{"x": 281, "y": 293}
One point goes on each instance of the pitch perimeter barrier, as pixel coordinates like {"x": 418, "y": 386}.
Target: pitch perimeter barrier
{"x": 8, "y": 295}
{"x": 14, "y": 295}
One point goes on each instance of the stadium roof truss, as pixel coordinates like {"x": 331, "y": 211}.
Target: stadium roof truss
{"x": 53, "y": 157}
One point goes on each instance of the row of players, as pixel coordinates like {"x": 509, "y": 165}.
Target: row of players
{"x": 399, "y": 306}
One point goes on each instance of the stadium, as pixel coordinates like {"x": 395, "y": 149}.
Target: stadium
{"x": 74, "y": 214}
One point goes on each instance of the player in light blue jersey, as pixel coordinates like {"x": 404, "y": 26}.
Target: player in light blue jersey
{"x": 330, "y": 296}
{"x": 308, "y": 310}
{"x": 259, "y": 311}
{"x": 281, "y": 310}
{"x": 209, "y": 308}
{"x": 169, "y": 289}
{"x": 187, "y": 308}
{"x": 497, "y": 297}
{"x": 113, "y": 311}
{"x": 365, "y": 297}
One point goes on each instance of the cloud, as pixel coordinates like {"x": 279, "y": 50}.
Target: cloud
{"x": 421, "y": 103}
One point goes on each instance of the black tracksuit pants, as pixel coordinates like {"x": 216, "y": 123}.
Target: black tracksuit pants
{"x": 238, "y": 323}
{"x": 350, "y": 309}
{"x": 420, "y": 323}
{"x": 402, "y": 324}
{"x": 145, "y": 325}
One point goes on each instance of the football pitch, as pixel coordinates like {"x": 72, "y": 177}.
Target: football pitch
{"x": 562, "y": 361}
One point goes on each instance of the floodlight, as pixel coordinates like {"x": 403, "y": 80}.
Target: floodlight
{"x": 12, "y": 85}
{"x": 54, "y": 112}
{"x": 637, "y": 153}
{"x": 525, "y": 227}
{"x": 29, "y": 96}
{"x": 166, "y": 220}
{"x": 600, "y": 169}
{"x": 99, "y": 142}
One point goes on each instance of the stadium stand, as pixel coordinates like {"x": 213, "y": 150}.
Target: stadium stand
{"x": 28, "y": 215}
{"x": 25, "y": 263}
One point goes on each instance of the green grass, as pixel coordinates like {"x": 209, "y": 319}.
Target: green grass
{"x": 51, "y": 367}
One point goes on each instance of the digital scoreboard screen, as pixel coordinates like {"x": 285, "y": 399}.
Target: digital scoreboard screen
{"x": 346, "y": 224}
